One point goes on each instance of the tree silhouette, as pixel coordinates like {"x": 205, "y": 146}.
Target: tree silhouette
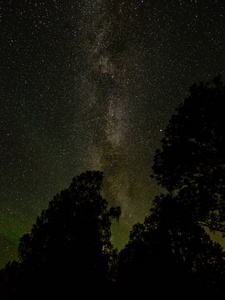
{"x": 192, "y": 158}
{"x": 8, "y": 280}
{"x": 170, "y": 251}
{"x": 69, "y": 245}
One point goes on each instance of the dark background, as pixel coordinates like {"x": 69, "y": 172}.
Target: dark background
{"x": 92, "y": 85}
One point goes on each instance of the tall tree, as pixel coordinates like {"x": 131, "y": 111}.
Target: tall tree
{"x": 69, "y": 244}
{"x": 171, "y": 248}
{"x": 191, "y": 161}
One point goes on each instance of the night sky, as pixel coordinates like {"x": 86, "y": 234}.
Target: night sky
{"x": 91, "y": 85}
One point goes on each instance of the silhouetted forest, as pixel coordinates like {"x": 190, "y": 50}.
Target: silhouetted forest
{"x": 70, "y": 247}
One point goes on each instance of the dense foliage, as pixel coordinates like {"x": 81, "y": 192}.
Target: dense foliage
{"x": 191, "y": 162}
{"x": 69, "y": 243}
{"x": 171, "y": 249}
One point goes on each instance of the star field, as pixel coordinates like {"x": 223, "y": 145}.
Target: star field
{"x": 92, "y": 84}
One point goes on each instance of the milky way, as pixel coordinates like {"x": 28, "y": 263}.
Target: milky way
{"x": 108, "y": 108}
{"x": 91, "y": 85}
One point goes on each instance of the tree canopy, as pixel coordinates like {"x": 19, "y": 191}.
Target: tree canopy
{"x": 171, "y": 249}
{"x": 172, "y": 252}
{"x": 69, "y": 245}
{"x": 191, "y": 161}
